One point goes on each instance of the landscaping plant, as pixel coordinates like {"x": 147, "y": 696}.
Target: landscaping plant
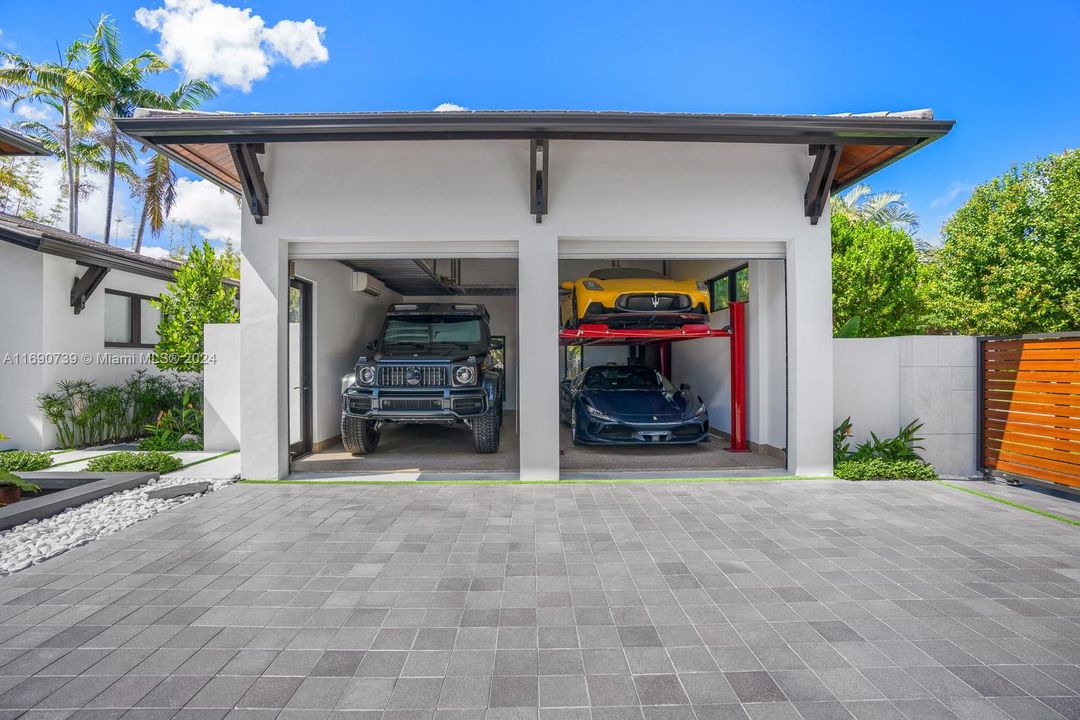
{"x": 172, "y": 426}
{"x": 158, "y": 462}
{"x": 880, "y": 469}
{"x": 24, "y": 461}
{"x": 12, "y": 487}
{"x": 892, "y": 458}
{"x": 85, "y": 413}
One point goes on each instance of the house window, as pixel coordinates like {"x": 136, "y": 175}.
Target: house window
{"x": 130, "y": 320}
{"x": 731, "y": 285}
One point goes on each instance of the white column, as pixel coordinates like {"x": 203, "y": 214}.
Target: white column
{"x": 264, "y": 293}
{"x": 810, "y": 347}
{"x": 538, "y": 353}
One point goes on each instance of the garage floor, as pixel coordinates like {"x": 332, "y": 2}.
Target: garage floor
{"x": 420, "y": 449}
{"x": 672, "y": 460}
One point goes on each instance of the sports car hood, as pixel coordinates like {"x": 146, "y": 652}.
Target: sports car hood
{"x": 640, "y": 405}
{"x": 627, "y": 285}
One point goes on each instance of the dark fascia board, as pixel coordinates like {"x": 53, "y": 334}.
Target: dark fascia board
{"x": 28, "y": 146}
{"x": 793, "y": 129}
{"x": 82, "y": 254}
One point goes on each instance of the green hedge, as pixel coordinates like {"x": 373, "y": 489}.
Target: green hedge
{"x": 878, "y": 469}
{"x": 158, "y": 462}
{"x": 24, "y": 461}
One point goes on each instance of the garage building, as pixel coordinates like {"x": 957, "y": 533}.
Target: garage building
{"x": 499, "y": 208}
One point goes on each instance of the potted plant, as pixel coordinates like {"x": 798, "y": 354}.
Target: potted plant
{"x": 12, "y": 487}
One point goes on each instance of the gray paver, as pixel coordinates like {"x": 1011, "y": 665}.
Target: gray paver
{"x": 876, "y": 601}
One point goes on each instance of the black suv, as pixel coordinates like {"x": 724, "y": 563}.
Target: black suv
{"x": 431, "y": 364}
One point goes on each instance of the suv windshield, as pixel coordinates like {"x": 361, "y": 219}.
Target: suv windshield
{"x": 429, "y": 331}
{"x": 622, "y": 377}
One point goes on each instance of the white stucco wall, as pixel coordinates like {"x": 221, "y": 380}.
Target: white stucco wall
{"x": 470, "y": 199}
{"x": 883, "y": 384}
{"x": 221, "y": 387}
{"x": 343, "y": 323}
{"x": 38, "y": 288}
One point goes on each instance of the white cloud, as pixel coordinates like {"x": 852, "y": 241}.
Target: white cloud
{"x": 32, "y": 112}
{"x": 954, "y": 190}
{"x": 159, "y": 253}
{"x": 92, "y": 208}
{"x": 449, "y": 107}
{"x": 228, "y": 44}
{"x": 205, "y": 205}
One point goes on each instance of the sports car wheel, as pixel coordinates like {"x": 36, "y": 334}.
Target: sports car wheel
{"x": 358, "y": 436}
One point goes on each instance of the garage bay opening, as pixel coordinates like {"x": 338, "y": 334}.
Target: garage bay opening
{"x": 413, "y": 368}
{"x": 672, "y": 367}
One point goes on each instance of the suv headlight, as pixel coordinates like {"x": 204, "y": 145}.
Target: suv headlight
{"x": 366, "y": 375}
{"x": 464, "y": 375}
{"x": 348, "y": 381}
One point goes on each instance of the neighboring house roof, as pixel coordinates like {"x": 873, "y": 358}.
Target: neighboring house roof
{"x": 202, "y": 141}
{"x": 12, "y": 143}
{"x": 50, "y": 240}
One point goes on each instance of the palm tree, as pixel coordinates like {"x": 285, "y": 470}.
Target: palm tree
{"x": 883, "y": 208}
{"x": 59, "y": 85}
{"x": 157, "y": 189}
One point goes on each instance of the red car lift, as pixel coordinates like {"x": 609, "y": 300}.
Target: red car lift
{"x": 592, "y": 334}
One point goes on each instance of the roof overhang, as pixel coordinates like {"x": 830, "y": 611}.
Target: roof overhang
{"x": 12, "y": 143}
{"x": 201, "y": 141}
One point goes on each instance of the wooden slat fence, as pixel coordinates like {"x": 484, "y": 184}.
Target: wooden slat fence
{"x": 1030, "y": 408}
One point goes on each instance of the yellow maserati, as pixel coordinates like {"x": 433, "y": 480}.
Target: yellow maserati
{"x": 633, "y": 298}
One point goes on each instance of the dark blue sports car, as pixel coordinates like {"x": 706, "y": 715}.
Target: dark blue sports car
{"x": 631, "y": 405}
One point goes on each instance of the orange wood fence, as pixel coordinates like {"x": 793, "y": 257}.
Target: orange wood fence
{"x": 1030, "y": 407}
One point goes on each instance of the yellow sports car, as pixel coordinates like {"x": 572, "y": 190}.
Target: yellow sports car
{"x": 633, "y": 298}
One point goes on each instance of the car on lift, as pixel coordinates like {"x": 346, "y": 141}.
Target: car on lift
{"x": 631, "y": 405}
{"x": 432, "y": 364}
{"x": 633, "y": 298}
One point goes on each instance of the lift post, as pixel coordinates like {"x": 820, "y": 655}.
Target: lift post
{"x": 737, "y": 315}
{"x": 597, "y": 334}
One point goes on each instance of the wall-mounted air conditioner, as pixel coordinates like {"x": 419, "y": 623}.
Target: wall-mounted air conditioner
{"x": 367, "y": 284}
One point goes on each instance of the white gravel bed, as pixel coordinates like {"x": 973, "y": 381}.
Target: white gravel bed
{"x": 36, "y": 541}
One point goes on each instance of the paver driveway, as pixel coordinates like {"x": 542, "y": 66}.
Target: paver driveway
{"x": 811, "y": 599}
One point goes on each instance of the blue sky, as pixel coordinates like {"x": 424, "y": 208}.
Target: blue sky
{"x": 1008, "y": 74}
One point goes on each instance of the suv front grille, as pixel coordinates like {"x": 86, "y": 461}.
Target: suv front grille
{"x": 411, "y": 404}
{"x": 650, "y": 302}
{"x": 412, "y": 376}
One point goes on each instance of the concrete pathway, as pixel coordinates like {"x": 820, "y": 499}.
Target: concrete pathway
{"x": 773, "y": 599}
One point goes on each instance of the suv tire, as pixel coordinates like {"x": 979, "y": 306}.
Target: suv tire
{"x": 358, "y": 435}
{"x": 485, "y": 430}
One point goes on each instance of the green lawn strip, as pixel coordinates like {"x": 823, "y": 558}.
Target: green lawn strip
{"x": 206, "y": 460}
{"x": 61, "y": 450}
{"x": 597, "y": 481}
{"x": 1010, "y": 503}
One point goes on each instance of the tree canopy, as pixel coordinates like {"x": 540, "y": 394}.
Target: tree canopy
{"x": 875, "y": 279}
{"x": 1010, "y": 261}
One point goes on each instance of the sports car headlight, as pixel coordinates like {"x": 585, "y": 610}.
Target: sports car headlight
{"x": 595, "y": 413}
{"x": 592, "y": 285}
{"x": 702, "y": 287}
{"x": 464, "y": 374}
{"x": 701, "y": 411}
{"x": 366, "y": 375}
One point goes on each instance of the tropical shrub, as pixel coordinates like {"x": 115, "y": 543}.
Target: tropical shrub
{"x": 841, "y": 449}
{"x": 881, "y": 469}
{"x": 85, "y": 413}
{"x": 199, "y": 296}
{"x": 24, "y": 461}
{"x": 158, "y": 462}
{"x": 901, "y": 447}
{"x": 170, "y": 428}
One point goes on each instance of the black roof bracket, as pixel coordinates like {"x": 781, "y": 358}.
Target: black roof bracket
{"x": 257, "y": 197}
{"x": 539, "y": 179}
{"x": 819, "y": 185}
{"x": 84, "y": 286}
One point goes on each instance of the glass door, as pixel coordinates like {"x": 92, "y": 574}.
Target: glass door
{"x": 300, "y": 426}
